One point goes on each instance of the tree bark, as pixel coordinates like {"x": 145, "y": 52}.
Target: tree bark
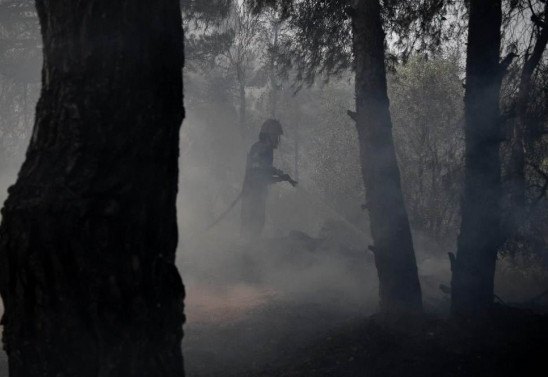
{"x": 400, "y": 290}
{"x": 89, "y": 232}
{"x": 480, "y": 234}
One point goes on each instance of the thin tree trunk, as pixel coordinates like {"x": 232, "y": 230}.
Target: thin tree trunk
{"x": 89, "y": 232}
{"x": 480, "y": 234}
{"x": 297, "y": 148}
{"x": 273, "y": 72}
{"x": 400, "y": 290}
{"x": 521, "y": 133}
{"x": 243, "y": 102}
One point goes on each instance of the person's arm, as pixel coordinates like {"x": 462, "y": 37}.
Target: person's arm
{"x": 263, "y": 160}
{"x": 277, "y": 172}
{"x": 279, "y": 176}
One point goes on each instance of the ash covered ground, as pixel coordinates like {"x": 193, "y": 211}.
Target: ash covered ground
{"x": 301, "y": 306}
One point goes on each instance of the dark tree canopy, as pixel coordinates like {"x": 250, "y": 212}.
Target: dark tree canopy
{"x": 323, "y": 33}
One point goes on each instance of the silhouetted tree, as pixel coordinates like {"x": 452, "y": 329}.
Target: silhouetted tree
{"x": 394, "y": 255}
{"x": 480, "y": 235}
{"x": 332, "y": 37}
{"x": 88, "y": 236}
{"x": 239, "y": 57}
{"x": 527, "y": 114}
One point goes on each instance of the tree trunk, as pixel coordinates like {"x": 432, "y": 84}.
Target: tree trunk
{"x": 89, "y": 232}
{"x": 400, "y": 290}
{"x": 297, "y": 148}
{"x": 273, "y": 71}
{"x": 243, "y": 102}
{"x": 480, "y": 234}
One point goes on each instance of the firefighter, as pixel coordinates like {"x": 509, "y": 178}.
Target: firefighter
{"x": 259, "y": 174}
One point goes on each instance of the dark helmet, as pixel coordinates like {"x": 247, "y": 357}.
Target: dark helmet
{"x": 271, "y": 128}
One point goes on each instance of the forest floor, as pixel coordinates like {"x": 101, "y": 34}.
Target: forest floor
{"x": 288, "y": 309}
{"x": 284, "y": 341}
{"x": 304, "y": 341}
{"x": 512, "y": 344}
{"x": 269, "y": 328}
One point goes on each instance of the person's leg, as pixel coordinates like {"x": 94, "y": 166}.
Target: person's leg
{"x": 253, "y": 214}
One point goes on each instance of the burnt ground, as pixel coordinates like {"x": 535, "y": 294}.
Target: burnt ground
{"x": 280, "y": 313}
{"x": 329, "y": 333}
{"x": 279, "y": 342}
{"x": 513, "y": 343}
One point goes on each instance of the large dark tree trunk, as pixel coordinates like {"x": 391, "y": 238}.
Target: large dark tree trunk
{"x": 88, "y": 238}
{"x": 480, "y": 234}
{"x": 400, "y": 290}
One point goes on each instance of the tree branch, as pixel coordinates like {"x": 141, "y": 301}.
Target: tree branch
{"x": 353, "y": 115}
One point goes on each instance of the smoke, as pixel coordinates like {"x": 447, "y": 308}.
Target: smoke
{"x": 311, "y": 271}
